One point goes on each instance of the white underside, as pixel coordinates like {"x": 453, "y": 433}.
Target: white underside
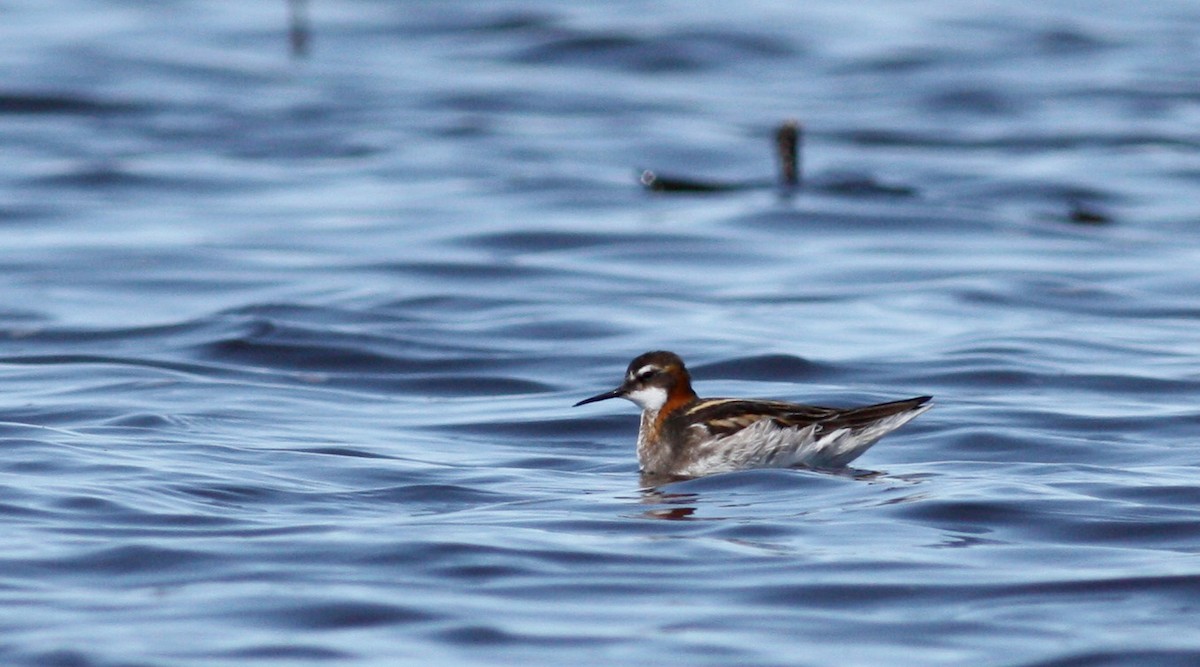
{"x": 766, "y": 445}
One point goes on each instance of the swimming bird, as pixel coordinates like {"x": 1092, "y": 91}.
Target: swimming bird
{"x": 683, "y": 435}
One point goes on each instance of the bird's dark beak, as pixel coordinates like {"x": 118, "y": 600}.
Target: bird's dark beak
{"x": 615, "y": 393}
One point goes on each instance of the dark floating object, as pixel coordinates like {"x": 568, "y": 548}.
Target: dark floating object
{"x": 656, "y": 182}
{"x": 789, "y": 143}
{"x": 787, "y": 148}
{"x": 1083, "y": 214}
{"x": 299, "y": 28}
{"x": 53, "y": 103}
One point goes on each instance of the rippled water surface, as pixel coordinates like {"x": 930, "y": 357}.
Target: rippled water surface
{"x": 289, "y": 342}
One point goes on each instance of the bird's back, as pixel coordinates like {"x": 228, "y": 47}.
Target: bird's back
{"x": 715, "y": 435}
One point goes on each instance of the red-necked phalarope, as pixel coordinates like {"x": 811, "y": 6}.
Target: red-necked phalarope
{"x": 683, "y": 435}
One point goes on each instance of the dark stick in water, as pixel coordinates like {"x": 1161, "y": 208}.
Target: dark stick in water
{"x": 299, "y": 32}
{"x": 788, "y": 139}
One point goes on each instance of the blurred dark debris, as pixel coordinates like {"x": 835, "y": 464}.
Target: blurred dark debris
{"x": 1087, "y": 214}
{"x": 787, "y": 152}
{"x": 1077, "y": 212}
{"x": 789, "y": 144}
{"x": 299, "y": 28}
{"x": 656, "y": 182}
{"x": 788, "y": 137}
{"x": 66, "y": 104}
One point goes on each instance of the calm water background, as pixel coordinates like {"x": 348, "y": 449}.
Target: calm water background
{"x": 288, "y": 345}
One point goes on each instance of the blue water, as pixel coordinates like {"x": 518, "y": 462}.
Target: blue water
{"x": 288, "y": 343}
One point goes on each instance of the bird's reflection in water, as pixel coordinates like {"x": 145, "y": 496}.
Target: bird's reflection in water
{"x": 681, "y": 505}
{"x": 673, "y": 506}
{"x": 676, "y": 506}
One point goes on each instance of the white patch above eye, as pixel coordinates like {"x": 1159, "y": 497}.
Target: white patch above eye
{"x": 650, "y": 398}
{"x": 645, "y": 371}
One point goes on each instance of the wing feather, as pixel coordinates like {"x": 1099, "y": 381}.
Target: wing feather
{"x": 726, "y": 416}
